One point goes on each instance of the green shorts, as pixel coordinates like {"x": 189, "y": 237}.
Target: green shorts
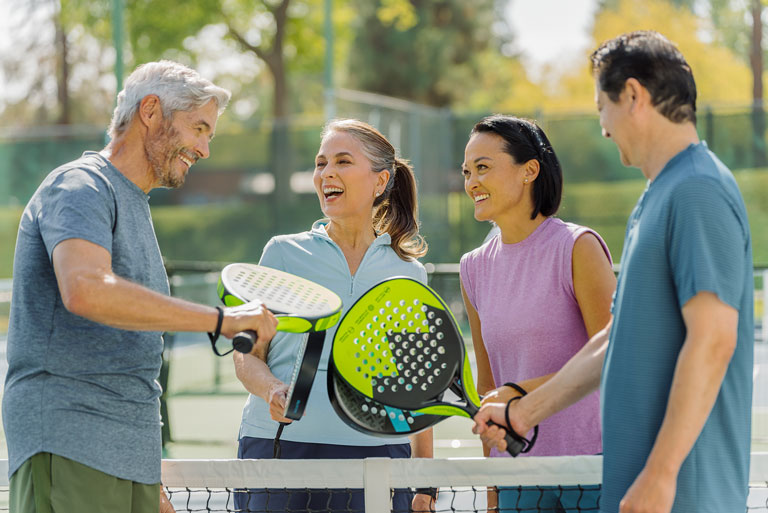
{"x": 48, "y": 483}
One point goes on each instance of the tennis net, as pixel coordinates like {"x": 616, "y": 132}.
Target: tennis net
{"x": 530, "y": 485}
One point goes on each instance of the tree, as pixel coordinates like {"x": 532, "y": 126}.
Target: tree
{"x": 431, "y": 49}
{"x": 502, "y": 85}
{"x": 756, "y": 62}
{"x": 62, "y": 71}
{"x": 53, "y": 52}
{"x": 721, "y": 76}
{"x": 33, "y": 100}
{"x": 738, "y": 25}
{"x": 271, "y": 51}
{"x": 283, "y": 36}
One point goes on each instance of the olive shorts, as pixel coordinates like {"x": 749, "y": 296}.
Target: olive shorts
{"x": 47, "y": 483}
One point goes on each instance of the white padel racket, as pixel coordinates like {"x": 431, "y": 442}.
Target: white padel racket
{"x": 300, "y": 305}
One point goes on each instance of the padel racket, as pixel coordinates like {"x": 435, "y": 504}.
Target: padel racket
{"x": 371, "y": 417}
{"x": 300, "y": 305}
{"x": 400, "y": 346}
{"x": 304, "y": 370}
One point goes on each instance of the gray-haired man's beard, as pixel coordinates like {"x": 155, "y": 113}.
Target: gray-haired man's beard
{"x": 162, "y": 153}
{"x": 166, "y": 177}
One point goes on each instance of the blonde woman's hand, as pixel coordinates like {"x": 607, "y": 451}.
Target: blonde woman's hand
{"x": 276, "y": 397}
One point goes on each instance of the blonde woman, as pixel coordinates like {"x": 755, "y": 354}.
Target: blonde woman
{"x": 371, "y": 233}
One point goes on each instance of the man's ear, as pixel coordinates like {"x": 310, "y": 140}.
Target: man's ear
{"x": 150, "y": 110}
{"x": 636, "y": 94}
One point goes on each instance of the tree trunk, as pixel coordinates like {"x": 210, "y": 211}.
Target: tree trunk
{"x": 280, "y": 155}
{"x": 62, "y": 73}
{"x": 281, "y": 161}
{"x": 756, "y": 61}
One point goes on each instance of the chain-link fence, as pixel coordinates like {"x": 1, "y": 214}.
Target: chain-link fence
{"x": 229, "y": 206}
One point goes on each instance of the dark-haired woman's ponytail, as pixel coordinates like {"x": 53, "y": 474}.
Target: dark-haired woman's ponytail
{"x": 548, "y": 187}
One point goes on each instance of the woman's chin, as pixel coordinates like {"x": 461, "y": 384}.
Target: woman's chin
{"x": 479, "y": 216}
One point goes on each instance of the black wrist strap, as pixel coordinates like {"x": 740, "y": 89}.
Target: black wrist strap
{"x": 528, "y": 443}
{"x": 516, "y": 387}
{"x": 215, "y": 335}
{"x": 276, "y": 449}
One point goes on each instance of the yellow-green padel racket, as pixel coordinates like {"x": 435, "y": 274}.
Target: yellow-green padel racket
{"x": 400, "y": 346}
{"x": 372, "y": 417}
{"x": 300, "y": 305}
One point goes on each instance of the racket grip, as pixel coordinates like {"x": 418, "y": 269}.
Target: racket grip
{"x": 244, "y": 341}
{"x": 514, "y": 444}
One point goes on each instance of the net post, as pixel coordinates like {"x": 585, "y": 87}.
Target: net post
{"x": 765, "y": 305}
{"x": 376, "y": 480}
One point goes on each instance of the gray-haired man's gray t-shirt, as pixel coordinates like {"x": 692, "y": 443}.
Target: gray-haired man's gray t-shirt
{"x": 74, "y": 387}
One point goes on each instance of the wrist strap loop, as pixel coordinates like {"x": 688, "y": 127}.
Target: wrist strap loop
{"x": 213, "y": 337}
{"x": 523, "y": 392}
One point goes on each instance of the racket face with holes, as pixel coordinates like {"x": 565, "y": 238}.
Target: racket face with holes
{"x": 371, "y": 417}
{"x": 304, "y": 370}
{"x": 399, "y": 345}
{"x": 300, "y": 305}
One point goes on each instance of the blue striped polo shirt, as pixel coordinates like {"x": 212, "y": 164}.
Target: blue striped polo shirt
{"x": 688, "y": 233}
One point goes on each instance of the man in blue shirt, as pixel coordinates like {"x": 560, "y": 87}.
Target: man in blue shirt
{"x": 675, "y": 362}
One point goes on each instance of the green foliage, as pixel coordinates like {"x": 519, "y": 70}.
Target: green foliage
{"x": 449, "y": 226}
{"x": 726, "y": 23}
{"x": 398, "y": 13}
{"x": 589, "y": 157}
{"x": 237, "y": 150}
{"x": 9, "y": 225}
{"x": 228, "y": 233}
{"x": 155, "y": 26}
{"x": 25, "y": 162}
{"x": 238, "y": 232}
{"x": 754, "y": 187}
{"x": 604, "y": 207}
{"x": 731, "y": 25}
{"x": 94, "y": 14}
{"x": 305, "y": 38}
{"x": 432, "y": 61}
{"x": 196, "y": 32}
{"x": 33, "y": 63}
{"x": 722, "y": 75}
{"x": 247, "y": 30}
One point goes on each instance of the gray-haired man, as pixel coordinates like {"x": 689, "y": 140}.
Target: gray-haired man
{"x": 90, "y": 303}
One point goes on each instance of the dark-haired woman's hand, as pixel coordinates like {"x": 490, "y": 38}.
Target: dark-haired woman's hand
{"x": 500, "y": 395}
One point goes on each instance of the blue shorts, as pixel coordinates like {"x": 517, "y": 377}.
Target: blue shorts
{"x": 263, "y": 500}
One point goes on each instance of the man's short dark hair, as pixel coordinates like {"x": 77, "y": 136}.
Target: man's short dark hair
{"x": 656, "y": 63}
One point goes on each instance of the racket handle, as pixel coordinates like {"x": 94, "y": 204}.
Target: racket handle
{"x": 514, "y": 444}
{"x": 244, "y": 341}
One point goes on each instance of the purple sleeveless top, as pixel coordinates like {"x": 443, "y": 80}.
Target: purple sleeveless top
{"x": 532, "y": 325}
